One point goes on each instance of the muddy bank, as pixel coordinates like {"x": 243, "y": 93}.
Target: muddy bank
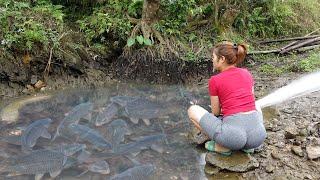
{"x": 79, "y": 66}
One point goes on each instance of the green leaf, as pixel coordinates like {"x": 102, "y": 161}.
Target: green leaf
{"x": 130, "y": 42}
{"x": 140, "y": 39}
{"x": 147, "y": 42}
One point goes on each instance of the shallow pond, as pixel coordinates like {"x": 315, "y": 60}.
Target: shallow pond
{"x": 173, "y": 156}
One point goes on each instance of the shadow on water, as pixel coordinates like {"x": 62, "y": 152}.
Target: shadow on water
{"x": 173, "y": 156}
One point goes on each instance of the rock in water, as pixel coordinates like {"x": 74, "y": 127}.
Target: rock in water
{"x": 237, "y": 162}
{"x": 136, "y": 173}
{"x": 33, "y": 132}
{"x": 38, "y": 163}
{"x": 313, "y": 152}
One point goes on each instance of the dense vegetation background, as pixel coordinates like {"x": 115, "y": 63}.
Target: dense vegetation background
{"x": 72, "y": 31}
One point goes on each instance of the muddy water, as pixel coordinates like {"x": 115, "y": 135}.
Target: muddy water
{"x": 180, "y": 159}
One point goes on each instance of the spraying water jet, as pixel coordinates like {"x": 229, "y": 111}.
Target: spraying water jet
{"x": 300, "y": 87}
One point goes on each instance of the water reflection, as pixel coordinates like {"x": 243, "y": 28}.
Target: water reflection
{"x": 158, "y": 144}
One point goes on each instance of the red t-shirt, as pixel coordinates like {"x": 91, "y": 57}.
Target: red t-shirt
{"x": 234, "y": 89}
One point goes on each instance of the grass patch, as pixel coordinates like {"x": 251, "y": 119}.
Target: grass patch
{"x": 271, "y": 69}
{"x": 310, "y": 63}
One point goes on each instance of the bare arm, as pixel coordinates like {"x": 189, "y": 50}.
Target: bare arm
{"x": 215, "y": 105}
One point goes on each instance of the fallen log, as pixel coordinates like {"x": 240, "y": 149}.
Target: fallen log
{"x": 288, "y": 39}
{"x": 300, "y": 45}
{"x": 265, "y": 52}
{"x": 307, "y": 48}
{"x": 295, "y": 42}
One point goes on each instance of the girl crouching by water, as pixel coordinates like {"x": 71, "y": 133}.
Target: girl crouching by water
{"x": 232, "y": 96}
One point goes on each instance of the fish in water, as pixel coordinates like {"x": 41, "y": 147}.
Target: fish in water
{"x": 37, "y": 162}
{"x": 99, "y": 166}
{"x": 123, "y": 100}
{"x": 107, "y": 114}
{"x": 15, "y": 140}
{"x": 10, "y": 113}
{"x": 136, "y": 173}
{"x": 142, "y": 108}
{"x": 74, "y": 116}
{"x": 133, "y": 147}
{"x": 116, "y": 131}
{"x": 35, "y": 130}
{"x": 68, "y": 149}
{"x": 90, "y": 135}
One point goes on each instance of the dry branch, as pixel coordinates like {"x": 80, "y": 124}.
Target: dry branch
{"x": 306, "y": 48}
{"x": 295, "y": 42}
{"x": 297, "y": 46}
{"x": 265, "y": 52}
{"x": 288, "y": 39}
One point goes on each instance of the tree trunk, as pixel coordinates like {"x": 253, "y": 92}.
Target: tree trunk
{"x": 149, "y": 15}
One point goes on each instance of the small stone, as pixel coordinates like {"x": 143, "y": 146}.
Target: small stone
{"x": 313, "y": 152}
{"x": 39, "y": 84}
{"x": 30, "y": 88}
{"x": 303, "y": 132}
{"x": 211, "y": 170}
{"x": 237, "y": 162}
{"x": 275, "y": 155}
{"x": 308, "y": 176}
{"x": 290, "y": 132}
{"x": 174, "y": 177}
{"x": 270, "y": 168}
{"x": 297, "y": 150}
{"x": 34, "y": 79}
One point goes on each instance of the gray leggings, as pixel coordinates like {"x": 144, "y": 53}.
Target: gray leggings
{"x": 238, "y": 131}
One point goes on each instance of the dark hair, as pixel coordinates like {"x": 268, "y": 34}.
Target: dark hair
{"x": 234, "y": 53}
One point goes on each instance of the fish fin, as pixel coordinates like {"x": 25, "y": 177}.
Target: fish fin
{"x": 55, "y": 135}
{"x": 55, "y": 173}
{"x": 88, "y": 117}
{"x": 134, "y": 154}
{"x": 131, "y": 158}
{"x": 13, "y": 174}
{"x": 134, "y": 120}
{"x": 46, "y": 134}
{"x": 157, "y": 148}
{"x": 83, "y": 173}
{"x": 38, "y": 176}
{"x": 128, "y": 132}
{"x": 25, "y": 149}
{"x": 83, "y": 156}
{"x": 147, "y": 122}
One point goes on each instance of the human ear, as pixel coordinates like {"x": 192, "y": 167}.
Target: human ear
{"x": 222, "y": 59}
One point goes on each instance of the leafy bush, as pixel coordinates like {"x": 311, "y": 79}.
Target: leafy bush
{"x": 24, "y": 27}
{"x": 107, "y": 22}
{"x": 277, "y": 17}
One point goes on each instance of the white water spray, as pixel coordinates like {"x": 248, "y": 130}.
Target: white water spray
{"x": 302, "y": 86}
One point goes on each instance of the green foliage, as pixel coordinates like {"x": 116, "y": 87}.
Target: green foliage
{"x": 140, "y": 39}
{"x": 107, "y": 22}
{"x": 175, "y": 16}
{"x": 277, "y": 18}
{"x": 310, "y": 63}
{"x": 24, "y": 27}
